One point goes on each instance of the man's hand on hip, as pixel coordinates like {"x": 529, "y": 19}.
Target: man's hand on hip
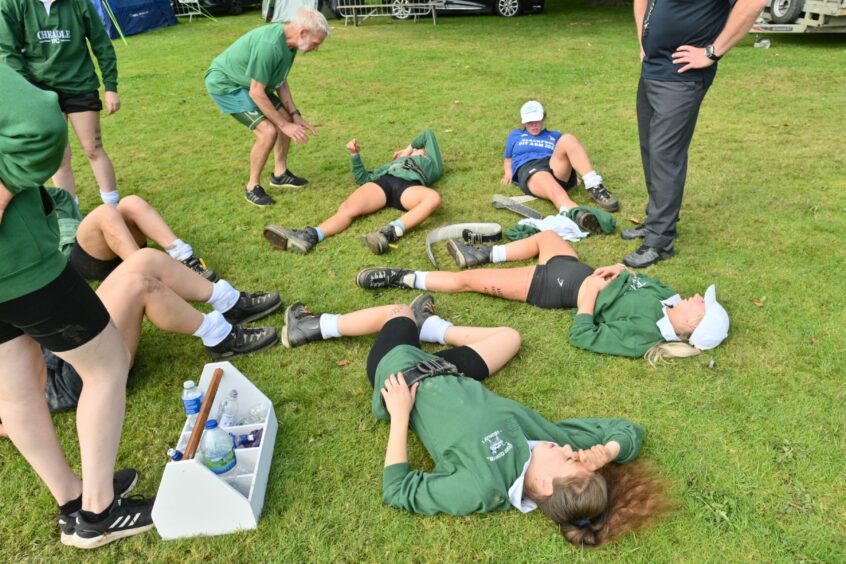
{"x": 691, "y": 57}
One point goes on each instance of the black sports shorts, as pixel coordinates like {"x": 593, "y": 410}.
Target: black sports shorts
{"x": 89, "y": 267}
{"x": 527, "y": 170}
{"x": 393, "y": 188}
{"x": 556, "y": 284}
{"x": 404, "y": 331}
{"x": 61, "y": 316}
{"x": 75, "y": 102}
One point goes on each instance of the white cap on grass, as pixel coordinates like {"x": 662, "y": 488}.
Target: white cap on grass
{"x": 713, "y": 328}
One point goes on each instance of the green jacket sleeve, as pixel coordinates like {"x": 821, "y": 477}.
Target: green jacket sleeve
{"x": 360, "y": 173}
{"x": 622, "y": 337}
{"x": 428, "y": 141}
{"x": 11, "y": 38}
{"x": 445, "y": 490}
{"x": 101, "y": 45}
{"x": 585, "y": 433}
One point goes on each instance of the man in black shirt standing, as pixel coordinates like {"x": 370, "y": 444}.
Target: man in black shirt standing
{"x": 680, "y": 44}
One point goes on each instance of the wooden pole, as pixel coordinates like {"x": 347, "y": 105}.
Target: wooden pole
{"x": 200, "y": 423}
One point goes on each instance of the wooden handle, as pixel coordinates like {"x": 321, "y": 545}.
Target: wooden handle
{"x": 200, "y": 423}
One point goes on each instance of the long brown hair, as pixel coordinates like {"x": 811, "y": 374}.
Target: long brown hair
{"x": 615, "y": 499}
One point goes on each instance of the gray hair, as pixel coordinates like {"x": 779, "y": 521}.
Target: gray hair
{"x": 311, "y": 21}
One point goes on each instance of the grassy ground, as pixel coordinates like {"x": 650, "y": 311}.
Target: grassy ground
{"x": 753, "y": 447}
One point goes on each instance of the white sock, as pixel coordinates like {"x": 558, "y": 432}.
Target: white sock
{"x": 179, "y": 250}
{"x": 592, "y": 179}
{"x": 111, "y": 198}
{"x": 224, "y": 296}
{"x": 420, "y": 279}
{"x": 563, "y": 210}
{"x": 498, "y": 254}
{"x": 434, "y": 329}
{"x": 213, "y": 329}
{"x": 329, "y": 325}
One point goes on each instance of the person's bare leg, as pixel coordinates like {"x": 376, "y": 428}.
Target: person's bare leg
{"x": 496, "y": 345}
{"x": 103, "y": 364}
{"x": 366, "y": 199}
{"x": 87, "y": 128}
{"x": 569, "y": 154}
{"x": 63, "y": 178}
{"x": 142, "y": 218}
{"x": 186, "y": 283}
{"x": 266, "y": 134}
{"x": 26, "y": 417}
{"x": 506, "y": 283}
{"x": 104, "y": 234}
{"x": 369, "y": 321}
{"x": 280, "y": 153}
{"x": 543, "y": 185}
{"x": 421, "y": 202}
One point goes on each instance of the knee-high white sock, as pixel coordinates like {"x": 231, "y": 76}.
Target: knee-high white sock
{"x": 111, "y": 198}
{"x": 329, "y": 325}
{"x": 420, "y": 279}
{"x": 592, "y": 179}
{"x": 179, "y": 250}
{"x": 434, "y": 330}
{"x": 498, "y": 254}
{"x": 224, "y": 296}
{"x": 213, "y": 329}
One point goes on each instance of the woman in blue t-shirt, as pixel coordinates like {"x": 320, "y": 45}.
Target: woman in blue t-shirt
{"x": 544, "y": 163}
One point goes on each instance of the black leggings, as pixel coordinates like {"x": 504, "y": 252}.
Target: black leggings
{"x": 404, "y": 331}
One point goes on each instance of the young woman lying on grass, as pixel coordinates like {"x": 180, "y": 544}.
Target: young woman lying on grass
{"x": 490, "y": 453}
{"x": 618, "y": 312}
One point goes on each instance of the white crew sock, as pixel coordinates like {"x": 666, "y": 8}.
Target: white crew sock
{"x": 434, "y": 330}
{"x": 179, "y": 250}
{"x": 329, "y": 325}
{"x": 111, "y": 198}
{"x": 592, "y": 179}
{"x": 498, "y": 254}
{"x": 213, "y": 329}
{"x": 399, "y": 227}
{"x": 563, "y": 210}
{"x": 420, "y": 279}
{"x": 224, "y": 296}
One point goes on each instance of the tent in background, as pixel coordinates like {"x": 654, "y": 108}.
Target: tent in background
{"x": 135, "y": 16}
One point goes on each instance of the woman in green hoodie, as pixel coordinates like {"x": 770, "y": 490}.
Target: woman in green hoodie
{"x": 404, "y": 184}
{"x": 48, "y": 43}
{"x": 617, "y": 311}
{"x": 490, "y": 453}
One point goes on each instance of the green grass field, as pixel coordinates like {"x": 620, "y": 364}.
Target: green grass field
{"x": 753, "y": 447}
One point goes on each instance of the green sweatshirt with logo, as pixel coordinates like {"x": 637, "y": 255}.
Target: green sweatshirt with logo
{"x": 33, "y": 135}
{"x": 51, "y": 48}
{"x": 423, "y": 169}
{"x": 624, "y": 317}
{"x": 478, "y": 441}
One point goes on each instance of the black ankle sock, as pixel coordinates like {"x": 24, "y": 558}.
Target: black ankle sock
{"x": 72, "y": 506}
{"x": 96, "y": 517}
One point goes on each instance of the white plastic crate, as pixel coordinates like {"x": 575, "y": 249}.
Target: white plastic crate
{"x": 192, "y": 500}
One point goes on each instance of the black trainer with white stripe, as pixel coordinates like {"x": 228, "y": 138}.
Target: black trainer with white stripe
{"x": 127, "y": 516}
{"x": 124, "y": 480}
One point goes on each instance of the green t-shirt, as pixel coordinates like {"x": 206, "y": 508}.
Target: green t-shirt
{"x": 259, "y": 55}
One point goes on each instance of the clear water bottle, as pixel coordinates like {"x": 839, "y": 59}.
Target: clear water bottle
{"x": 192, "y": 399}
{"x": 217, "y": 449}
{"x": 227, "y": 413}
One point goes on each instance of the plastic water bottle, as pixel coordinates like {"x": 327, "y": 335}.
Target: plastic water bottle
{"x": 227, "y": 414}
{"x": 175, "y": 455}
{"x": 217, "y": 449}
{"x": 192, "y": 399}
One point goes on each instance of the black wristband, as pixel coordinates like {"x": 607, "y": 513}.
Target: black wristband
{"x": 296, "y": 113}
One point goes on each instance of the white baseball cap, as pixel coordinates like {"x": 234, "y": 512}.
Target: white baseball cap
{"x": 713, "y": 328}
{"x": 531, "y": 111}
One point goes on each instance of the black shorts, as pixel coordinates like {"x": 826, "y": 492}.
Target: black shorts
{"x": 89, "y": 267}
{"x": 556, "y": 284}
{"x": 525, "y": 172}
{"x": 404, "y": 331}
{"x": 61, "y": 316}
{"x": 75, "y": 102}
{"x": 393, "y": 188}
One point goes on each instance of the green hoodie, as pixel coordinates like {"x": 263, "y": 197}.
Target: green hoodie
{"x": 50, "y": 49}
{"x": 33, "y": 136}
{"x": 624, "y": 317}
{"x": 424, "y": 169}
{"x": 478, "y": 441}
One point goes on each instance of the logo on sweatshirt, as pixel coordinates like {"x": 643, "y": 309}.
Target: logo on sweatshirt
{"x": 54, "y": 36}
{"x": 636, "y": 283}
{"x": 497, "y": 446}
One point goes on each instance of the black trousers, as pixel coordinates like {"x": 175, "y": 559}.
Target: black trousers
{"x": 666, "y": 118}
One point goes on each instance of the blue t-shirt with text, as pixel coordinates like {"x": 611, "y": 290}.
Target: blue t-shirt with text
{"x": 522, "y": 147}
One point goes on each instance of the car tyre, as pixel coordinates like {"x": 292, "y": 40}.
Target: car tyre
{"x": 786, "y": 11}
{"x": 508, "y": 8}
{"x": 400, "y": 9}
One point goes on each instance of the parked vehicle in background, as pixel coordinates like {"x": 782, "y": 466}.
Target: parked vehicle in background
{"x": 802, "y": 16}
{"x": 402, "y": 9}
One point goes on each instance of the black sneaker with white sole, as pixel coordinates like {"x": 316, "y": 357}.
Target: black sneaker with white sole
{"x": 423, "y": 307}
{"x": 375, "y": 278}
{"x": 124, "y": 480}
{"x": 605, "y": 199}
{"x": 243, "y": 340}
{"x": 466, "y": 256}
{"x": 301, "y": 326}
{"x": 127, "y": 516}
{"x": 299, "y": 241}
{"x": 198, "y": 265}
{"x": 287, "y": 180}
{"x": 258, "y": 197}
{"x": 252, "y": 307}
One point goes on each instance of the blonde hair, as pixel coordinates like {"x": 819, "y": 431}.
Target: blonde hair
{"x": 663, "y": 352}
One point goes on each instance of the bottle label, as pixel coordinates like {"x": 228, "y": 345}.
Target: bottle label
{"x": 192, "y": 406}
{"x": 222, "y": 464}
{"x": 227, "y": 420}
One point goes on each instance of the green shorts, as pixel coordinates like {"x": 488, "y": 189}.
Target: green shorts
{"x": 252, "y": 118}
{"x": 239, "y": 105}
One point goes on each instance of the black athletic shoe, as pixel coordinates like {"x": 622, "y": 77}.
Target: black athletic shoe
{"x": 604, "y": 198}
{"x": 466, "y": 256}
{"x": 198, "y": 265}
{"x": 258, "y": 197}
{"x": 287, "y": 180}
{"x": 423, "y": 307}
{"x": 123, "y": 482}
{"x": 127, "y": 516}
{"x": 252, "y": 307}
{"x": 645, "y": 256}
{"x": 301, "y": 326}
{"x": 633, "y": 233}
{"x": 588, "y": 222}
{"x": 378, "y": 241}
{"x": 243, "y": 340}
{"x": 375, "y": 278}
{"x": 299, "y": 241}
